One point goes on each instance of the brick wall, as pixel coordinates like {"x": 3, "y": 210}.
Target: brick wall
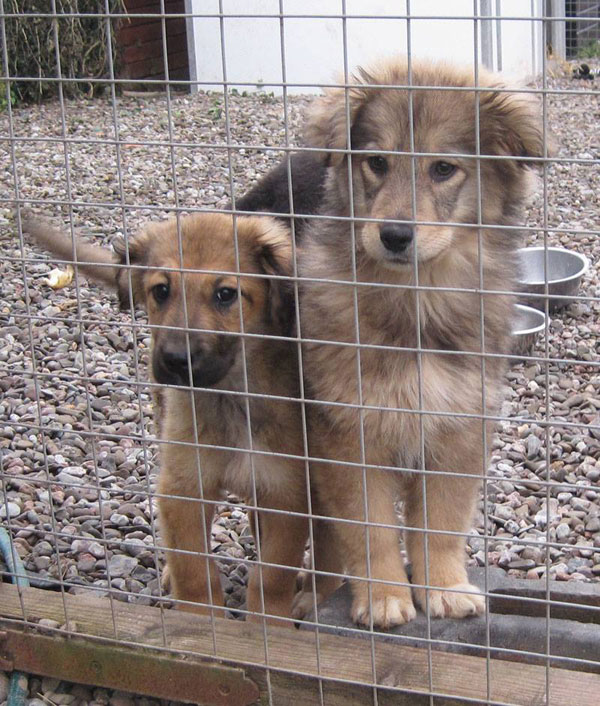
{"x": 140, "y": 42}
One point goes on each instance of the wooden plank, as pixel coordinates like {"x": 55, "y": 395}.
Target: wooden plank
{"x": 142, "y": 52}
{"x": 134, "y": 6}
{"x": 339, "y": 660}
{"x": 141, "y": 6}
{"x": 162, "y": 676}
{"x": 154, "y": 49}
{"x": 151, "y": 67}
{"x": 136, "y": 34}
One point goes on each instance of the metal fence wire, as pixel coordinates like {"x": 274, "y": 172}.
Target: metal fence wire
{"x": 330, "y": 369}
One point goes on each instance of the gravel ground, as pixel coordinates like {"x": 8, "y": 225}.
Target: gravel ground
{"x": 77, "y": 494}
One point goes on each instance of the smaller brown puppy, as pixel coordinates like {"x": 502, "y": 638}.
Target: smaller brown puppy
{"x": 183, "y": 275}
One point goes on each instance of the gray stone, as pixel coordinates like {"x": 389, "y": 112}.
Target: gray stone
{"x": 593, "y": 524}
{"x": 68, "y": 479}
{"x": 522, "y": 564}
{"x": 562, "y": 531}
{"x": 543, "y": 516}
{"x": 504, "y": 512}
{"x": 9, "y": 509}
{"x": 121, "y": 566}
{"x": 134, "y": 547}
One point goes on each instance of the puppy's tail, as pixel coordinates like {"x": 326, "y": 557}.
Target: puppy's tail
{"x": 95, "y": 262}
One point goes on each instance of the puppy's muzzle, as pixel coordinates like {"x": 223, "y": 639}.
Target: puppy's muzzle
{"x": 396, "y": 237}
{"x": 171, "y": 365}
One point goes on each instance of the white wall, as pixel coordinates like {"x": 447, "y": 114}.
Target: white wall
{"x": 314, "y": 50}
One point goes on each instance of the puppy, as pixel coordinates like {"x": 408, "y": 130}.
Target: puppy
{"x": 271, "y": 193}
{"x": 183, "y": 275}
{"x": 398, "y": 411}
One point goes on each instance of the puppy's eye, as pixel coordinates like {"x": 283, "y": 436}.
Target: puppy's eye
{"x": 378, "y": 164}
{"x": 226, "y": 295}
{"x": 440, "y": 171}
{"x": 160, "y": 292}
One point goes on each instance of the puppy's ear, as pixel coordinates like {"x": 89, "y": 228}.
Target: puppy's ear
{"x": 511, "y": 124}
{"x": 327, "y": 121}
{"x": 275, "y": 258}
{"x": 132, "y": 251}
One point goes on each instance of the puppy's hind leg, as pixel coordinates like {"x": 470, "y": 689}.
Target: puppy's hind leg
{"x": 282, "y": 539}
{"x": 327, "y": 560}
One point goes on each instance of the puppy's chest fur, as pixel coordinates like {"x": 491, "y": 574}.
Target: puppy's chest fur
{"x": 385, "y": 379}
{"x": 221, "y": 427}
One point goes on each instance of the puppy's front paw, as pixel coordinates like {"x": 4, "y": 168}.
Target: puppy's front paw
{"x": 165, "y": 579}
{"x": 453, "y": 603}
{"x": 388, "y": 605}
{"x": 303, "y": 605}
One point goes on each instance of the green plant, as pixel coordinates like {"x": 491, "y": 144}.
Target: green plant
{"x": 215, "y": 111}
{"x": 590, "y": 51}
{"x": 6, "y": 98}
{"x": 267, "y": 98}
{"x": 82, "y": 46}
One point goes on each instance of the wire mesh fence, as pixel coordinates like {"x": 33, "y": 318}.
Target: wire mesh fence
{"x": 359, "y": 431}
{"x": 582, "y": 32}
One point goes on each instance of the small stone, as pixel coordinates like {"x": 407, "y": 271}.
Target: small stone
{"x": 79, "y": 546}
{"x": 11, "y": 509}
{"x": 504, "y": 512}
{"x": 86, "y": 562}
{"x": 60, "y": 698}
{"x": 580, "y": 504}
{"x": 134, "y": 547}
{"x": 120, "y": 565}
{"x": 49, "y": 684}
{"x": 522, "y": 564}
{"x": 541, "y": 517}
{"x": 574, "y": 400}
{"x": 536, "y": 573}
{"x": 121, "y": 698}
{"x": 130, "y": 415}
{"x": 119, "y": 520}
{"x": 533, "y": 446}
{"x": 480, "y": 558}
{"x": 475, "y": 541}
{"x": 101, "y": 696}
{"x": 512, "y": 527}
{"x": 68, "y": 479}
{"x": 534, "y": 553}
{"x": 562, "y": 531}
{"x": 43, "y": 548}
{"x": 41, "y": 563}
{"x": 48, "y": 623}
{"x": 593, "y": 524}
{"x": 76, "y": 471}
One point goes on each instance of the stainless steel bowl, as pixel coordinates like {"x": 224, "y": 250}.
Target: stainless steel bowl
{"x": 527, "y": 326}
{"x": 563, "y": 272}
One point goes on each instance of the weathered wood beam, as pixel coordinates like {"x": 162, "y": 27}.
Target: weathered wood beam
{"x": 287, "y": 665}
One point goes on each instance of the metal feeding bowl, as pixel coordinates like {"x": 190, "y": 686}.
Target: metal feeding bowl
{"x": 527, "y": 326}
{"x": 562, "y": 269}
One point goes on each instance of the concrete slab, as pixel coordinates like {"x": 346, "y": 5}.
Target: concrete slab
{"x": 520, "y": 625}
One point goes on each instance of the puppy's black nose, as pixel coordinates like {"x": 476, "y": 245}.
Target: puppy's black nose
{"x": 176, "y": 362}
{"x": 396, "y": 237}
